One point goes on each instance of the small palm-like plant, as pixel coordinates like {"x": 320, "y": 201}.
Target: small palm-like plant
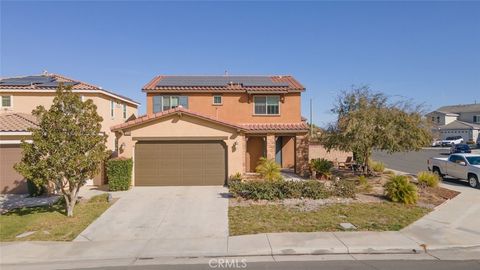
{"x": 399, "y": 189}
{"x": 428, "y": 179}
{"x": 269, "y": 169}
{"x": 322, "y": 166}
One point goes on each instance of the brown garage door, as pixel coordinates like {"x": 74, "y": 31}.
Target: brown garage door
{"x": 10, "y": 180}
{"x": 179, "y": 163}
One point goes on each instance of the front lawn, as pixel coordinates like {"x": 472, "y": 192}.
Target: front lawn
{"x": 50, "y": 223}
{"x": 384, "y": 216}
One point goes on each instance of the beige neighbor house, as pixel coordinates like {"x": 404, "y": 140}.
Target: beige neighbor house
{"x": 456, "y": 120}
{"x": 199, "y": 130}
{"x": 20, "y": 95}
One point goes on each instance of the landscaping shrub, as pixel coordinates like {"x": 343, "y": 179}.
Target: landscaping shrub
{"x": 269, "y": 169}
{"x": 321, "y": 165}
{"x": 314, "y": 190}
{"x": 428, "y": 179}
{"x": 343, "y": 188}
{"x": 236, "y": 177}
{"x": 35, "y": 190}
{"x": 377, "y": 166}
{"x": 364, "y": 184}
{"x": 399, "y": 189}
{"x": 278, "y": 190}
{"x": 119, "y": 174}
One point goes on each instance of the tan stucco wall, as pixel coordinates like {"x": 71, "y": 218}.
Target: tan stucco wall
{"x": 318, "y": 151}
{"x": 26, "y": 102}
{"x": 237, "y": 107}
{"x": 187, "y": 126}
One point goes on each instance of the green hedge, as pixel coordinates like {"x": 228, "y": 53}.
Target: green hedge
{"x": 119, "y": 174}
{"x": 278, "y": 190}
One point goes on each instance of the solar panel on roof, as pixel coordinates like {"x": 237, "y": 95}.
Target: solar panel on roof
{"x": 219, "y": 81}
{"x": 43, "y": 81}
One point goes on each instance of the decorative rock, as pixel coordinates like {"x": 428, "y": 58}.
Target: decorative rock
{"x": 347, "y": 226}
{"x": 25, "y": 234}
{"x": 46, "y": 232}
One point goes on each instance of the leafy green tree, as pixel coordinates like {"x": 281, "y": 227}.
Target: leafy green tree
{"x": 68, "y": 146}
{"x": 367, "y": 121}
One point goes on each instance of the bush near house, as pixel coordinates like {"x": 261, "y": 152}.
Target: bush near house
{"x": 34, "y": 189}
{"x": 278, "y": 190}
{"x": 321, "y": 166}
{"x": 119, "y": 173}
{"x": 269, "y": 169}
{"x": 399, "y": 189}
{"x": 428, "y": 179}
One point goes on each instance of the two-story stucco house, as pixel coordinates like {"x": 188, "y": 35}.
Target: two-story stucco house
{"x": 20, "y": 95}
{"x": 198, "y": 130}
{"x": 457, "y": 120}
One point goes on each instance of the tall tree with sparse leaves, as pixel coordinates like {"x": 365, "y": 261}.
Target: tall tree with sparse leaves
{"x": 67, "y": 148}
{"x": 368, "y": 121}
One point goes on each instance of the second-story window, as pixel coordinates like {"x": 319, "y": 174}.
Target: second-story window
{"x": 476, "y": 118}
{"x": 112, "y": 108}
{"x": 124, "y": 111}
{"x": 6, "y": 101}
{"x": 163, "y": 103}
{"x": 217, "y": 100}
{"x": 267, "y": 105}
{"x": 157, "y": 104}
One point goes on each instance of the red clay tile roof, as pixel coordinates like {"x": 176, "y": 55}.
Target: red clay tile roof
{"x": 17, "y": 122}
{"x": 254, "y": 127}
{"x": 263, "y": 84}
{"x": 250, "y": 128}
{"x": 56, "y": 78}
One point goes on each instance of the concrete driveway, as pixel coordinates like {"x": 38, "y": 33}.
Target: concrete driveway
{"x": 147, "y": 213}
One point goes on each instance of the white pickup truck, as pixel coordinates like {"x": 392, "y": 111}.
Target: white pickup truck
{"x": 461, "y": 166}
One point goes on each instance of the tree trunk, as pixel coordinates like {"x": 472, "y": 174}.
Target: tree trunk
{"x": 70, "y": 206}
{"x": 70, "y": 201}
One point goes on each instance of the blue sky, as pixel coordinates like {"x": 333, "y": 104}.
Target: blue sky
{"x": 429, "y": 52}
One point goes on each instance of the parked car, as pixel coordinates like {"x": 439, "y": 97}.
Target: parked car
{"x": 436, "y": 143}
{"x": 460, "y": 148}
{"x": 461, "y": 166}
{"x": 449, "y": 141}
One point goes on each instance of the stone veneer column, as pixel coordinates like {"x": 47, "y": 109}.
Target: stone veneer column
{"x": 270, "y": 146}
{"x": 301, "y": 155}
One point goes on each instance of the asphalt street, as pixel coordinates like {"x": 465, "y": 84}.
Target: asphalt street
{"x": 410, "y": 162}
{"x": 328, "y": 265}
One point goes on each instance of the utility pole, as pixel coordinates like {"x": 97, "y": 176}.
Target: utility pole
{"x": 311, "y": 119}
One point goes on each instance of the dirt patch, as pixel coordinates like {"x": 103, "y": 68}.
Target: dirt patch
{"x": 432, "y": 197}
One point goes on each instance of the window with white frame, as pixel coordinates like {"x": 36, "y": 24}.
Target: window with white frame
{"x": 164, "y": 103}
{"x": 266, "y": 105}
{"x": 476, "y": 118}
{"x": 217, "y": 100}
{"x": 124, "y": 111}
{"x": 6, "y": 101}
{"x": 112, "y": 108}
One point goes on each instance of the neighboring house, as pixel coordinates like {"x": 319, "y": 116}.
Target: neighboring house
{"x": 199, "y": 130}
{"x": 457, "y": 120}
{"x": 20, "y": 95}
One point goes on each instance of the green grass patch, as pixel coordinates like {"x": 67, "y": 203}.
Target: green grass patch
{"x": 365, "y": 216}
{"x": 51, "y": 222}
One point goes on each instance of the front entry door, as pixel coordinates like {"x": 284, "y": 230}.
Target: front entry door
{"x": 278, "y": 150}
